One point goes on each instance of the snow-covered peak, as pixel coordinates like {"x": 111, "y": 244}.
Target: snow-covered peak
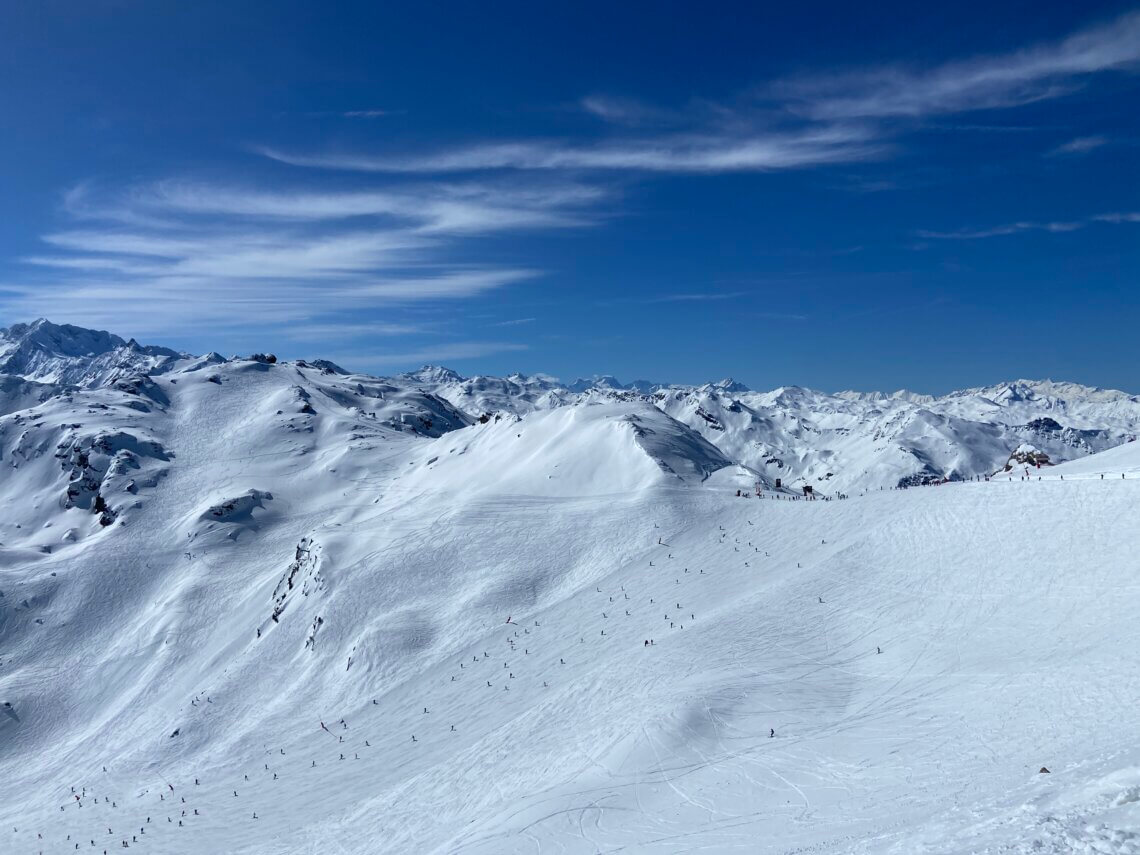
{"x": 730, "y": 386}
{"x": 607, "y": 382}
{"x": 898, "y": 395}
{"x": 60, "y": 339}
{"x": 433, "y": 375}
{"x": 70, "y": 355}
{"x": 1028, "y": 390}
{"x": 568, "y": 451}
{"x": 604, "y": 381}
{"x": 541, "y": 381}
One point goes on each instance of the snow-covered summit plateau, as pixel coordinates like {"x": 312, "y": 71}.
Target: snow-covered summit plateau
{"x": 250, "y": 605}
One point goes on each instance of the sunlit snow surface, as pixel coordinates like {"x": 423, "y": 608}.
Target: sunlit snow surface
{"x": 1006, "y": 613}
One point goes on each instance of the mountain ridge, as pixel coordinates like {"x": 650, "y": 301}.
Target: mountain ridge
{"x": 837, "y": 442}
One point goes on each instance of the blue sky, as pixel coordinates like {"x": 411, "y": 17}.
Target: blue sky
{"x": 832, "y": 195}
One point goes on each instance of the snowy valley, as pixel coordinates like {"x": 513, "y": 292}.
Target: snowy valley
{"x": 259, "y": 606}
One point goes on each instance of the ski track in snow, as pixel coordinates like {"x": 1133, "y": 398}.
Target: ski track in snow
{"x": 1006, "y": 614}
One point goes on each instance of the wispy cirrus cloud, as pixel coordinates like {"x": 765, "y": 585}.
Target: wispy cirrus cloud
{"x": 1120, "y": 217}
{"x": 352, "y": 114}
{"x": 698, "y": 297}
{"x": 791, "y": 124}
{"x": 689, "y": 297}
{"x": 178, "y": 254}
{"x": 169, "y": 256}
{"x": 516, "y": 322}
{"x": 631, "y": 112}
{"x": 997, "y": 231}
{"x": 781, "y": 316}
{"x": 440, "y": 208}
{"x": 1057, "y": 227}
{"x": 709, "y": 152}
{"x": 350, "y": 330}
{"x": 1080, "y": 145}
{"x": 981, "y": 83}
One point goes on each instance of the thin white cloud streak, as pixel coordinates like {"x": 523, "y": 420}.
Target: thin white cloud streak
{"x": 252, "y": 255}
{"x": 465, "y": 283}
{"x": 998, "y": 231}
{"x": 697, "y": 153}
{"x": 982, "y": 83}
{"x": 427, "y": 210}
{"x": 471, "y": 208}
{"x": 697, "y": 298}
{"x": 1029, "y": 226}
{"x": 1080, "y": 145}
{"x": 349, "y": 330}
{"x": 627, "y": 111}
{"x": 781, "y": 316}
{"x": 1128, "y": 217}
{"x": 515, "y": 323}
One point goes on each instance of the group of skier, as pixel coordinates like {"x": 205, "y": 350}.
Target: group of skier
{"x": 512, "y": 640}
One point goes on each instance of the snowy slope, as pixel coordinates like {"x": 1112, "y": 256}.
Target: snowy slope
{"x": 294, "y": 567}
{"x": 572, "y": 451}
{"x": 199, "y": 567}
{"x": 1120, "y": 462}
{"x": 17, "y": 394}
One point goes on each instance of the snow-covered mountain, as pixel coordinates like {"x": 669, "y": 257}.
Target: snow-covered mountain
{"x": 73, "y": 356}
{"x": 531, "y": 618}
{"x": 847, "y": 441}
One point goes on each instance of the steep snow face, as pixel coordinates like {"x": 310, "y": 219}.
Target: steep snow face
{"x": 16, "y": 393}
{"x": 68, "y": 355}
{"x": 571, "y": 451}
{"x": 1117, "y": 463}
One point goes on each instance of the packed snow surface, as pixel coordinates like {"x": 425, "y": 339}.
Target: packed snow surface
{"x": 219, "y": 579}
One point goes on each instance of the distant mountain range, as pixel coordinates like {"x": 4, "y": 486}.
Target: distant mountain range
{"x": 846, "y": 441}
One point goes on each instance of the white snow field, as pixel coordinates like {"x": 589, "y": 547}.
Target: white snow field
{"x": 200, "y": 568}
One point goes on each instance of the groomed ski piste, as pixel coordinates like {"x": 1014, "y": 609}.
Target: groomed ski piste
{"x": 467, "y": 617}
